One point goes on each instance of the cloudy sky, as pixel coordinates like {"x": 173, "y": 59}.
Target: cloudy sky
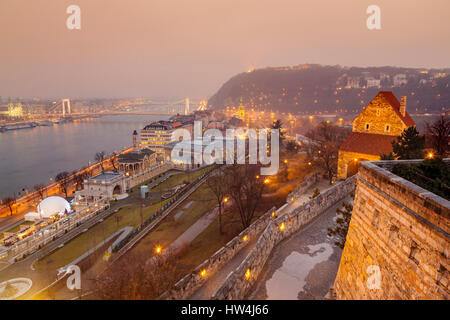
{"x": 179, "y": 48}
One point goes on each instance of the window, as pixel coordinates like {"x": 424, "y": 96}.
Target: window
{"x": 378, "y": 112}
{"x": 367, "y": 126}
{"x": 387, "y": 128}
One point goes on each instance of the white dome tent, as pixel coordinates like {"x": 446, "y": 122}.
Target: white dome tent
{"x": 52, "y": 206}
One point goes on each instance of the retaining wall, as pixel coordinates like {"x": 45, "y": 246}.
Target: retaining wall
{"x": 190, "y": 283}
{"x": 238, "y": 282}
{"x": 301, "y": 189}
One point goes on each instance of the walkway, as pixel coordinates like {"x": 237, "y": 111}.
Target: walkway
{"x": 213, "y": 283}
{"x": 303, "y": 266}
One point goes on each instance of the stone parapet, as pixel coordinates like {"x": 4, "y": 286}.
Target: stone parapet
{"x": 238, "y": 282}
{"x": 398, "y": 243}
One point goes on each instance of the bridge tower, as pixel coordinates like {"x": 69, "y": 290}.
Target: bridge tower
{"x": 65, "y": 102}
{"x": 186, "y": 108}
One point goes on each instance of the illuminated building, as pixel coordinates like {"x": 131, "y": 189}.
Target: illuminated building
{"x": 374, "y": 129}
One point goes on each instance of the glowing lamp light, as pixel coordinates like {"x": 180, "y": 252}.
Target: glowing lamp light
{"x": 257, "y": 177}
{"x": 225, "y": 199}
{"x": 430, "y": 155}
{"x": 266, "y": 181}
{"x": 158, "y": 250}
{"x": 292, "y": 198}
{"x": 285, "y": 161}
{"x": 245, "y": 238}
{"x": 203, "y": 273}
{"x": 309, "y": 163}
{"x": 273, "y": 213}
{"x": 282, "y": 226}
{"x": 248, "y": 274}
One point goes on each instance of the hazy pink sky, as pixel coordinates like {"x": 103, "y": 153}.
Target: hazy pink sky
{"x": 179, "y": 48}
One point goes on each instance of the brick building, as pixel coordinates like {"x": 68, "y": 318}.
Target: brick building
{"x": 374, "y": 129}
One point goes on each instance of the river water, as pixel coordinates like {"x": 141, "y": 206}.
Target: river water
{"x": 32, "y": 156}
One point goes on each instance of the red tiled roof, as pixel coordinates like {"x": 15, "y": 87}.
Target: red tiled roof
{"x": 176, "y": 124}
{"x": 392, "y": 100}
{"x": 368, "y": 143}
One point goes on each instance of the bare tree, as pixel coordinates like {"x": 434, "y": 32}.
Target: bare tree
{"x": 439, "y": 132}
{"x": 100, "y": 158}
{"x": 40, "y": 190}
{"x": 113, "y": 160}
{"x": 324, "y": 150}
{"x": 64, "y": 182}
{"x": 9, "y": 202}
{"x": 245, "y": 186}
{"x": 138, "y": 278}
{"x": 215, "y": 184}
{"x": 79, "y": 177}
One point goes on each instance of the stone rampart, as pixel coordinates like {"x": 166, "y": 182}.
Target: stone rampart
{"x": 301, "y": 189}
{"x": 238, "y": 282}
{"x": 190, "y": 283}
{"x": 398, "y": 242}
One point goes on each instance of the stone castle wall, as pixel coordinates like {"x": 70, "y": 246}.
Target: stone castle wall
{"x": 190, "y": 283}
{"x": 301, "y": 189}
{"x": 237, "y": 284}
{"x": 402, "y": 231}
{"x": 194, "y": 280}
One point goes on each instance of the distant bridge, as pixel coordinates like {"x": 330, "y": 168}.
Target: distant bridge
{"x": 183, "y": 106}
{"x": 140, "y": 106}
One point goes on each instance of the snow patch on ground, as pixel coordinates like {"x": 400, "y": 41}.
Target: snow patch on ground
{"x": 290, "y": 278}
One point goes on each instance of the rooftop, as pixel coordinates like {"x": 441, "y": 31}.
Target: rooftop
{"x": 368, "y": 143}
{"x": 106, "y": 176}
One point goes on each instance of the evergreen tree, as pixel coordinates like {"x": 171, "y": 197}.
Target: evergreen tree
{"x": 409, "y": 145}
{"x": 339, "y": 232}
{"x": 277, "y": 124}
{"x": 389, "y": 156}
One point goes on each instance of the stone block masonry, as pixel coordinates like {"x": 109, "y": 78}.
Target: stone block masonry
{"x": 190, "y": 283}
{"x": 399, "y": 229}
{"x": 301, "y": 189}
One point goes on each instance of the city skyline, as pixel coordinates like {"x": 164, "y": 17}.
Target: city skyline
{"x": 175, "y": 49}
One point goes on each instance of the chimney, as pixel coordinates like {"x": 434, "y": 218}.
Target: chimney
{"x": 403, "y": 106}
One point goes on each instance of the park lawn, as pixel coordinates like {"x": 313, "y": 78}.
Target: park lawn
{"x": 170, "y": 229}
{"x": 129, "y": 216}
{"x": 210, "y": 240}
{"x": 179, "y": 178}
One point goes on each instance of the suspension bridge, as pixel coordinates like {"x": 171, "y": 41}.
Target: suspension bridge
{"x": 139, "y": 106}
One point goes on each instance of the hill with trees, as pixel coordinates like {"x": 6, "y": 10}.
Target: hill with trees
{"x": 333, "y": 89}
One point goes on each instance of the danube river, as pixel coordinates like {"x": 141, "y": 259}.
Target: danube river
{"x": 32, "y": 156}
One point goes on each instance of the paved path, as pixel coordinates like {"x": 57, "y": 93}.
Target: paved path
{"x": 193, "y": 231}
{"x": 303, "y": 266}
{"x": 213, "y": 283}
{"x": 322, "y": 185}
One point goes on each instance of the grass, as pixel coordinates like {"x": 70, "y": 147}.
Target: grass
{"x": 129, "y": 216}
{"x": 210, "y": 240}
{"x": 179, "y": 178}
{"x": 170, "y": 229}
